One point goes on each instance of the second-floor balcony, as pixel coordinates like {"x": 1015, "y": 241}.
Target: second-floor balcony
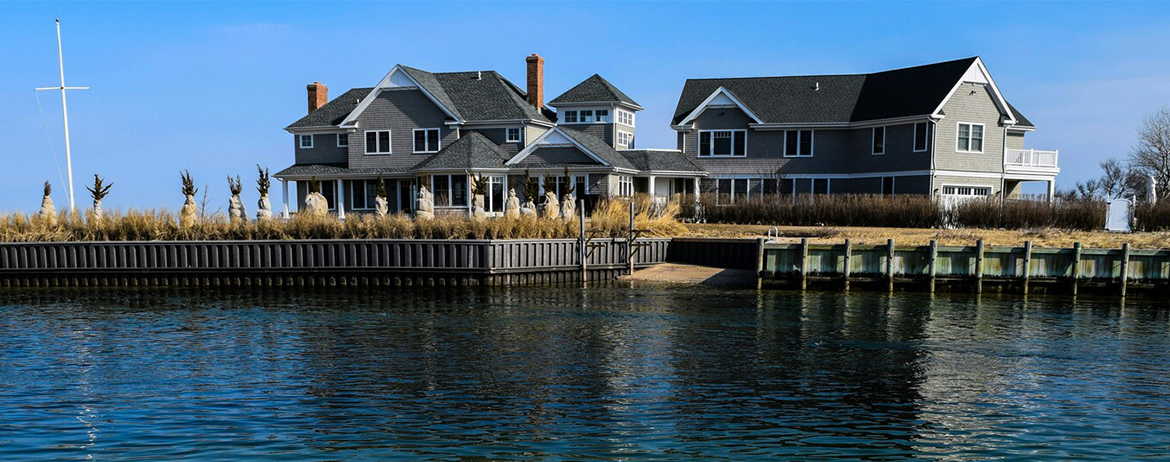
{"x": 1030, "y": 161}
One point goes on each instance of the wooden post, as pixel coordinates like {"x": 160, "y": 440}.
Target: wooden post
{"x": 848, "y": 262}
{"x": 979, "y": 266}
{"x": 890, "y": 263}
{"x": 1124, "y": 267}
{"x": 1076, "y": 266}
{"x": 630, "y": 240}
{"x": 1027, "y": 264}
{"x": 804, "y": 263}
{"x": 933, "y": 262}
{"x": 759, "y": 263}
{"x": 581, "y": 243}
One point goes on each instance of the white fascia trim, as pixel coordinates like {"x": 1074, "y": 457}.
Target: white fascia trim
{"x": 1017, "y": 128}
{"x": 384, "y": 84}
{"x": 671, "y": 173}
{"x": 615, "y": 104}
{"x": 703, "y": 106}
{"x": 538, "y": 143}
{"x": 861, "y": 124}
{"x": 999, "y": 100}
{"x": 316, "y": 130}
{"x": 501, "y": 123}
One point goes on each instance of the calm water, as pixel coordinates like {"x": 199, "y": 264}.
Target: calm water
{"x": 612, "y": 373}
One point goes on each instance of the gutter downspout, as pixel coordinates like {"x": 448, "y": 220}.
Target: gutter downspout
{"x": 1003, "y": 167}
{"x": 933, "y": 154}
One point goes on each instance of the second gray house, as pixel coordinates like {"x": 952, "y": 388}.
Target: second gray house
{"x": 943, "y": 129}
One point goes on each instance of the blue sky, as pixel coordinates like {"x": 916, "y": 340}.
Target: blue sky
{"x": 209, "y": 86}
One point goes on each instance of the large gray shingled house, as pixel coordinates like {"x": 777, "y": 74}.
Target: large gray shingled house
{"x": 942, "y": 129}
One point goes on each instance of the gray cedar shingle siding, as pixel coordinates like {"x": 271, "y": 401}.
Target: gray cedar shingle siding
{"x": 324, "y": 150}
{"x": 970, "y": 104}
{"x": 557, "y": 155}
{"x": 1015, "y": 140}
{"x": 602, "y": 132}
{"x": 400, "y": 111}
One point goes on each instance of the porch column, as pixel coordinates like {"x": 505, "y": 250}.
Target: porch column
{"x": 650, "y": 186}
{"x": 284, "y": 193}
{"x": 1051, "y": 190}
{"x": 695, "y": 186}
{"x": 340, "y": 199}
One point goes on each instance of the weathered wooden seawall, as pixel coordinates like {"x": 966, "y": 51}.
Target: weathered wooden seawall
{"x": 977, "y": 268}
{"x": 388, "y": 262}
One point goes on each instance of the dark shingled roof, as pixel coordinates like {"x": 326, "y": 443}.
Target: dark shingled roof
{"x": 599, "y": 147}
{"x": 592, "y": 90}
{"x": 331, "y": 169}
{"x": 840, "y": 98}
{"x": 472, "y": 150}
{"x": 471, "y": 96}
{"x": 333, "y": 112}
{"x": 660, "y": 159}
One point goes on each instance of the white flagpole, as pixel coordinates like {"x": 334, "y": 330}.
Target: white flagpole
{"x": 65, "y": 114}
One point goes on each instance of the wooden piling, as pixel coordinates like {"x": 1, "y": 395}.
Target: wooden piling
{"x": 1124, "y": 267}
{"x": 759, "y": 263}
{"x": 848, "y": 263}
{"x": 1076, "y": 266}
{"x": 582, "y": 253}
{"x": 933, "y": 263}
{"x": 979, "y": 266}
{"x": 804, "y": 263}
{"x": 890, "y": 263}
{"x": 1027, "y": 264}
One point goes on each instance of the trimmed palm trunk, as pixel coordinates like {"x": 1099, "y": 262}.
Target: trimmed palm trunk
{"x": 263, "y": 206}
{"x": 48, "y": 211}
{"x": 188, "y": 215}
{"x": 512, "y": 206}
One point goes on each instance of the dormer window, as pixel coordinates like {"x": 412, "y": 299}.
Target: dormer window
{"x": 306, "y": 141}
{"x": 587, "y": 116}
{"x": 513, "y": 135}
{"x": 602, "y": 115}
{"x": 570, "y": 117}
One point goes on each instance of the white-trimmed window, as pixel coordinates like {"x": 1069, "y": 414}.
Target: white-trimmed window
{"x": 798, "y": 143}
{"x": 306, "y": 141}
{"x": 426, "y": 140}
{"x": 343, "y": 140}
{"x": 362, "y": 193}
{"x": 449, "y": 190}
{"x": 625, "y": 117}
{"x": 921, "y": 136}
{"x": 586, "y": 116}
{"x": 879, "y": 141}
{"x": 625, "y": 139}
{"x": 952, "y": 190}
{"x": 722, "y": 143}
{"x": 512, "y": 135}
{"x": 378, "y": 142}
{"x": 625, "y": 185}
{"x": 570, "y": 117}
{"x": 970, "y": 138}
{"x": 602, "y": 116}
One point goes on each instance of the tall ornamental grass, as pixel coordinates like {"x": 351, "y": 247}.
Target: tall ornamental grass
{"x": 904, "y": 211}
{"x": 610, "y": 219}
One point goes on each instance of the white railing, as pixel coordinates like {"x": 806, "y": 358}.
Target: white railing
{"x": 1030, "y": 158}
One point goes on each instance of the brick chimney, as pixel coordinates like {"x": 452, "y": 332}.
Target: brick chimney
{"x": 535, "y": 80}
{"x": 318, "y": 95}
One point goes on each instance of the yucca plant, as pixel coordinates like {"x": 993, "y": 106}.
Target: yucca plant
{"x": 98, "y": 192}
{"x": 234, "y": 185}
{"x": 189, "y": 188}
{"x": 262, "y": 181}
